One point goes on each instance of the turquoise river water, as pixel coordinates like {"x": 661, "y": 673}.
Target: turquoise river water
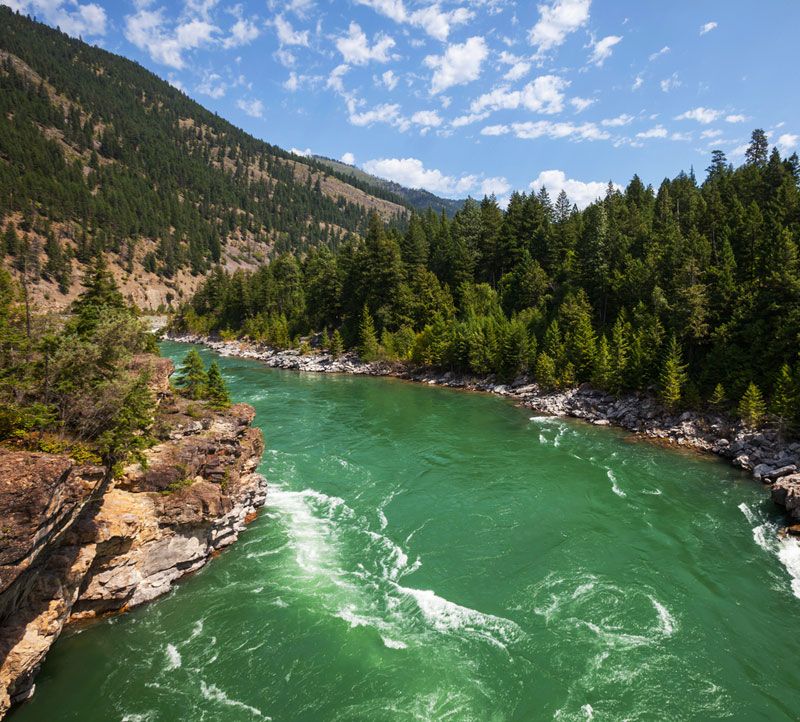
{"x": 427, "y": 554}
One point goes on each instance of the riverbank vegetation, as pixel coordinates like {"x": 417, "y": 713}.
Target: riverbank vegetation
{"x": 71, "y": 385}
{"x": 691, "y": 290}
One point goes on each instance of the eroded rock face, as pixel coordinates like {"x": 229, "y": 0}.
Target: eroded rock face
{"x": 75, "y": 545}
{"x": 786, "y": 492}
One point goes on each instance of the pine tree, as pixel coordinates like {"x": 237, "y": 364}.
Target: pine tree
{"x": 673, "y": 375}
{"x": 192, "y": 378}
{"x": 752, "y": 407}
{"x": 324, "y": 339}
{"x": 602, "y": 375}
{"x": 784, "y": 400}
{"x": 216, "y": 391}
{"x": 337, "y": 344}
{"x": 545, "y": 372}
{"x": 718, "y": 398}
{"x": 367, "y": 339}
{"x": 100, "y": 297}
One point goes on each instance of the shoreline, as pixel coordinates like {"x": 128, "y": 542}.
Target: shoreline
{"x": 761, "y": 452}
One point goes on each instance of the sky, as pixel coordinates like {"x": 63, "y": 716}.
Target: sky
{"x": 474, "y": 96}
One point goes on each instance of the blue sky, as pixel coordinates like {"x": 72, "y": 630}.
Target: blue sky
{"x": 474, "y": 96}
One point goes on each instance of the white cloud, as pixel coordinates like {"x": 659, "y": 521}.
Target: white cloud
{"x": 72, "y": 17}
{"x": 700, "y": 114}
{"x": 736, "y": 118}
{"x": 212, "y": 85}
{"x": 292, "y": 83}
{"x": 671, "y": 83}
{"x": 580, "y": 193}
{"x": 658, "y": 131}
{"x": 494, "y": 186}
{"x": 707, "y": 28}
{"x": 581, "y": 104}
{"x": 287, "y": 35}
{"x": 388, "y": 113}
{"x": 355, "y": 47}
{"x": 303, "y": 153}
{"x": 602, "y": 49}
{"x": 556, "y": 21}
{"x": 432, "y": 19}
{"x": 520, "y": 67}
{"x": 544, "y": 128}
{"x": 427, "y": 118}
{"x": 243, "y": 32}
{"x": 389, "y": 80}
{"x": 348, "y": 158}
{"x": 617, "y": 122}
{"x": 147, "y": 30}
{"x": 460, "y": 64}
{"x": 253, "y": 108}
{"x": 711, "y": 133}
{"x": 542, "y": 95}
{"x": 659, "y": 53}
{"x": 787, "y": 142}
{"x": 468, "y": 119}
{"x": 638, "y": 82}
{"x": 412, "y": 173}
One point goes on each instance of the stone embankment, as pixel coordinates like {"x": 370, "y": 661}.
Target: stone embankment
{"x": 763, "y": 453}
{"x": 77, "y": 544}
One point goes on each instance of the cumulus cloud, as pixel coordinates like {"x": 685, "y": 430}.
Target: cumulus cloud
{"x": 427, "y": 118}
{"x": 355, "y": 47}
{"x": 287, "y": 35}
{"x": 556, "y": 21}
{"x": 542, "y": 95}
{"x": 411, "y": 172}
{"x": 212, "y": 85}
{"x": 348, "y": 158}
{"x": 303, "y": 153}
{"x": 432, "y": 19}
{"x": 581, "y": 104}
{"x": 618, "y": 121}
{"x": 72, "y": 17}
{"x": 787, "y": 142}
{"x": 707, "y": 28}
{"x": 520, "y": 67}
{"x": 242, "y": 32}
{"x": 638, "y": 82}
{"x": 148, "y": 31}
{"x": 253, "y": 108}
{"x": 547, "y": 129}
{"x": 388, "y": 113}
{"x": 460, "y": 64}
{"x": 658, "y": 131}
{"x": 389, "y": 80}
{"x": 735, "y": 118}
{"x": 580, "y": 193}
{"x": 497, "y": 186}
{"x": 700, "y": 114}
{"x": 602, "y": 49}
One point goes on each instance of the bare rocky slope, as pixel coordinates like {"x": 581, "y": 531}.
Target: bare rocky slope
{"x": 77, "y": 544}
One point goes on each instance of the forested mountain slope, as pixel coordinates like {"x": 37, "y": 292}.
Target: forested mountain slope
{"x": 691, "y": 290}
{"x": 97, "y": 154}
{"x": 418, "y": 198}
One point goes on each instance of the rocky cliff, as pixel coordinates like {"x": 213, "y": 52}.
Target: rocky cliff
{"x": 76, "y": 544}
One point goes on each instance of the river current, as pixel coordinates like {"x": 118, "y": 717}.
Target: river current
{"x": 428, "y": 554}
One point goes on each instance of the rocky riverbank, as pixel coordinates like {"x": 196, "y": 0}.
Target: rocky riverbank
{"x": 762, "y": 452}
{"x": 76, "y": 544}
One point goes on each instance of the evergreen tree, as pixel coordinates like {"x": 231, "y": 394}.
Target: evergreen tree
{"x": 337, "y": 344}
{"x": 545, "y": 372}
{"x": 718, "y": 397}
{"x": 603, "y": 376}
{"x": 216, "y": 391}
{"x": 784, "y": 401}
{"x": 673, "y": 375}
{"x": 752, "y": 407}
{"x": 367, "y": 339}
{"x": 192, "y": 378}
{"x": 99, "y": 298}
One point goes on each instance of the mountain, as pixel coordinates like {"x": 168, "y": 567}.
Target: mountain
{"x": 99, "y": 155}
{"x": 418, "y": 198}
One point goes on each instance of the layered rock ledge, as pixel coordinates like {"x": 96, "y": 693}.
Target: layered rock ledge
{"x": 76, "y": 544}
{"x": 764, "y": 453}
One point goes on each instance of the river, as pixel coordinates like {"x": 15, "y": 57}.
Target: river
{"x": 429, "y": 554}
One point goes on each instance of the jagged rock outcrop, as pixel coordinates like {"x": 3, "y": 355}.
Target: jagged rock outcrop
{"x": 75, "y": 544}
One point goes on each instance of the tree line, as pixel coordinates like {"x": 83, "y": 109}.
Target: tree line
{"x": 690, "y": 290}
